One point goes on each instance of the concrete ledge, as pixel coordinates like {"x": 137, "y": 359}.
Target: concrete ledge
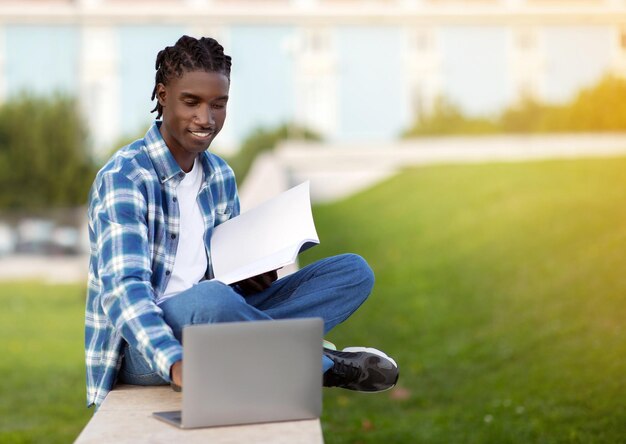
{"x": 339, "y": 170}
{"x": 126, "y": 417}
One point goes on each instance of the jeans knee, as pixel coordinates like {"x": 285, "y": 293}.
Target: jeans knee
{"x": 361, "y": 274}
{"x": 206, "y": 302}
{"x": 218, "y": 303}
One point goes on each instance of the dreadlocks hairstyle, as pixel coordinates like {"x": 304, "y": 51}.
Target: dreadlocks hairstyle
{"x": 189, "y": 54}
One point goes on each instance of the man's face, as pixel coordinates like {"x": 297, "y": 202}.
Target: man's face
{"x": 194, "y": 110}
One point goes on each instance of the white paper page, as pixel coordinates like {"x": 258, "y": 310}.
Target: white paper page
{"x": 257, "y": 239}
{"x": 276, "y": 260}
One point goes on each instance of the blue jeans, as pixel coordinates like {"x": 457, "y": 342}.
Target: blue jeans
{"x": 332, "y": 289}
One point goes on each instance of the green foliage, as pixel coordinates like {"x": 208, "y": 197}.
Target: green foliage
{"x": 601, "y": 107}
{"x": 529, "y": 116}
{"x": 448, "y": 119}
{"x": 43, "y": 153}
{"x": 265, "y": 139}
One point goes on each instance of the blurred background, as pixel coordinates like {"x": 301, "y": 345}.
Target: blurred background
{"x": 473, "y": 151}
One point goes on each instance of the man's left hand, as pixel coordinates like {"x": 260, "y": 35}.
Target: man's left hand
{"x": 257, "y": 284}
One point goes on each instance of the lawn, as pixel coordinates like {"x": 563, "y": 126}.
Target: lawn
{"x": 42, "y": 394}
{"x": 500, "y": 293}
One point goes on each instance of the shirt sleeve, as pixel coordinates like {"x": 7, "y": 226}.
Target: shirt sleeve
{"x": 124, "y": 268}
{"x": 232, "y": 192}
{"x": 236, "y": 208}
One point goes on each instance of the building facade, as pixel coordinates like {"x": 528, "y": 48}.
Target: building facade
{"x": 353, "y": 70}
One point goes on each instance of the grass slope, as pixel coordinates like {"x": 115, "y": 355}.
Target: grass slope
{"x": 500, "y": 291}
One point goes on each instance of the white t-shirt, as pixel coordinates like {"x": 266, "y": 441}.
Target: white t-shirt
{"x": 191, "y": 262}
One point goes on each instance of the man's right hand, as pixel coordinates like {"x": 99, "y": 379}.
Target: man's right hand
{"x": 176, "y": 374}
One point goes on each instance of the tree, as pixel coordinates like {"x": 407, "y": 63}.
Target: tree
{"x": 447, "y": 119}
{"x": 601, "y": 107}
{"x": 44, "y": 161}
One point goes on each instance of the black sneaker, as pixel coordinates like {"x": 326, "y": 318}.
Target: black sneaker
{"x": 361, "y": 369}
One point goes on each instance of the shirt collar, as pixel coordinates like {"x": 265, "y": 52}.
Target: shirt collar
{"x": 163, "y": 160}
{"x": 164, "y": 163}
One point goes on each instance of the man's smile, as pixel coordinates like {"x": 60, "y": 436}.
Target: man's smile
{"x": 205, "y": 134}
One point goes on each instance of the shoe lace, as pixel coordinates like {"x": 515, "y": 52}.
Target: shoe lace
{"x": 345, "y": 372}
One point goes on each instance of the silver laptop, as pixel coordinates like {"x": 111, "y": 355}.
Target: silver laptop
{"x": 250, "y": 372}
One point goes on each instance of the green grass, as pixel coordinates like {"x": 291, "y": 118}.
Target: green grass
{"x": 42, "y": 388}
{"x": 500, "y": 292}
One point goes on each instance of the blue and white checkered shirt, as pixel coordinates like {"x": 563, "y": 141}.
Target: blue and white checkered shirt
{"x": 133, "y": 231}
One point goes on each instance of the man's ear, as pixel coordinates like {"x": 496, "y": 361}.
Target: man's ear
{"x": 161, "y": 94}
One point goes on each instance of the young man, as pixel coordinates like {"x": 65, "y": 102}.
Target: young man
{"x": 152, "y": 208}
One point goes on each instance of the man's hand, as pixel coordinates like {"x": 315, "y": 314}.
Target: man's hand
{"x": 176, "y": 373}
{"x": 257, "y": 284}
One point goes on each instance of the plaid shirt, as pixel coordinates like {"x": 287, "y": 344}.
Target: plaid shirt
{"x": 133, "y": 232}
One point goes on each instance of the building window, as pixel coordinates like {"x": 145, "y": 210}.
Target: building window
{"x": 622, "y": 39}
{"x": 316, "y": 41}
{"x": 421, "y": 41}
{"x": 526, "y": 41}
